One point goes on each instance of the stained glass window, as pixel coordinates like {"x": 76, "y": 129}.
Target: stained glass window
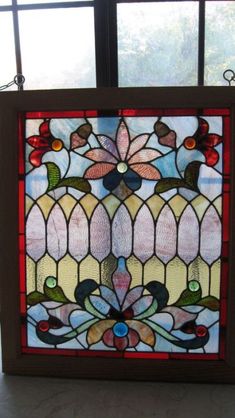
{"x": 124, "y": 232}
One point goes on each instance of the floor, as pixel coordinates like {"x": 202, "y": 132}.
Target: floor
{"x": 30, "y": 397}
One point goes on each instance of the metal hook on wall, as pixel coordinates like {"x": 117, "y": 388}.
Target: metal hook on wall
{"x": 19, "y": 80}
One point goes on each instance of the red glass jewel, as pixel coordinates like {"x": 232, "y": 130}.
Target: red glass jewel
{"x": 43, "y": 326}
{"x": 201, "y": 331}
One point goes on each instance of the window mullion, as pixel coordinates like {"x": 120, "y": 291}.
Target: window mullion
{"x": 17, "y": 40}
{"x": 106, "y": 43}
{"x": 201, "y": 42}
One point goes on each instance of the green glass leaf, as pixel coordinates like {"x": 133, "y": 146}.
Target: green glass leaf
{"x": 56, "y": 294}
{"x": 77, "y": 183}
{"x": 189, "y": 182}
{"x": 164, "y": 185}
{"x": 35, "y": 297}
{"x": 209, "y": 302}
{"x": 53, "y": 175}
{"x": 188, "y": 297}
{"x": 192, "y": 174}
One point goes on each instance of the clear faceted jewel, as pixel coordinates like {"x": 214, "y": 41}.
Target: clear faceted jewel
{"x": 122, "y": 167}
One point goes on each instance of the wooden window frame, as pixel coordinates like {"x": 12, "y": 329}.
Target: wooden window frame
{"x": 11, "y": 103}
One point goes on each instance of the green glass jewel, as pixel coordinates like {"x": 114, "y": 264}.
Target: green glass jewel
{"x": 194, "y": 285}
{"x": 51, "y": 282}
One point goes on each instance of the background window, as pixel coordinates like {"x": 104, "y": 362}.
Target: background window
{"x": 58, "y": 48}
{"x": 157, "y": 44}
{"x": 89, "y": 43}
{"x": 219, "y": 40}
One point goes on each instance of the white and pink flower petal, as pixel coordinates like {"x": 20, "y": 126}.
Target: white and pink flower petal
{"x": 144, "y": 156}
{"x": 108, "y": 144}
{"x": 100, "y": 155}
{"x": 132, "y": 296}
{"x": 146, "y": 171}
{"x": 123, "y": 140}
{"x": 98, "y": 170}
{"x": 137, "y": 144}
{"x": 142, "y": 305}
{"x": 121, "y": 282}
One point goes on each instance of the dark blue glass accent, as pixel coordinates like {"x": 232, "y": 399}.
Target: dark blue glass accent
{"x": 120, "y": 329}
{"x": 132, "y": 179}
{"x": 112, "y": 180}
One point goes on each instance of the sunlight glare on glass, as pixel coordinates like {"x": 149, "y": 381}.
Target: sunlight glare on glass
{"x": 58, "y": 48}
{"x": 158, "y": 44}
{"x": 219, "y": 41}
{"x": 45, "y": 1}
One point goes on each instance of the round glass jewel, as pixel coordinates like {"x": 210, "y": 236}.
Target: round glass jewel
{"x": 189, "y": 143}
{"x": 120, "y": 329}
{"x": 194, "y": 286}
{"x": 43, "y": 326}
{"x": 51, "y": 282}
{"x": 57, "y": 145}
{"x": 122, "y": 167}
{"x": 201, "y": 331}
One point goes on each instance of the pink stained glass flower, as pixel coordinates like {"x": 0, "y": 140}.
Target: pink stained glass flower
{"x": 127, "y": 159}
{"x": 43, "y": 143}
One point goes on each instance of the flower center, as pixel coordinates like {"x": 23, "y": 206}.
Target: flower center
{"x": 122, "y": 167}
{"x": 120, "y": 329}
{"x": 190, "y": 142}
{"x": 57, "y": 145}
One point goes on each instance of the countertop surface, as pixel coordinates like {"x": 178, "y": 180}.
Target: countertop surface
{"x": 34, "y": 397}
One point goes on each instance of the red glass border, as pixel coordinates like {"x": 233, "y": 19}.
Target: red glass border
{"x": 225, "y": 231}
{"x": 127, "y": 113}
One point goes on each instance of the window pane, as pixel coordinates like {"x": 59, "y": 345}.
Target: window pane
{"x": 58, "y": 48}
{"x": 220, "y": 40}
{"x": 45, "y": 1}
{"x": 5, "y": 2}
{"x": 157, "y": 44}
{"x": 7, "y": 50}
